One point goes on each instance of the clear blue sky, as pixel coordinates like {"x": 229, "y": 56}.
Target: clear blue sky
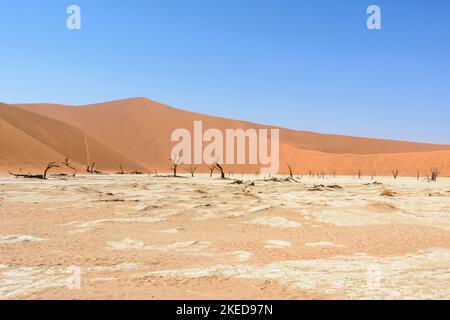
{"x": 308, "y": 65}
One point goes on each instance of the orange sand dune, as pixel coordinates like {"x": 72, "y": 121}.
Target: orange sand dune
{"x": 408, "y": 164}
{"x": 147, "y": 122}
{"x": 140, "y": 130}
{"x": 30, "y": 140}
{"x": 19, "y": 150}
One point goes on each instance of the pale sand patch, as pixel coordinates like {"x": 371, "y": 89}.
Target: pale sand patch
{"x": 19, "y": 238}
{"x": 194, "y": 248}
{"x": 127, "y": 244}
{"x": 126, "y": 266}
{"x": 402, "y": 277}
{"x": 278, "y": 244}
{"x": 188, "y": 246}
{"x": 170, "y": 231}
{"x": 23, "y": 280}
{"x": 351, "y": 217}
{"x": 206, "y": 215}
{"x": 260, "y": 208}
{"x": 87, "y": 225}
{"x": 324, "y": 244}
{"x": 277, "y": 222}
{"x": 241, "y": 255}
{"x": 39, "y": 196}
{"x": 102, "y": 279}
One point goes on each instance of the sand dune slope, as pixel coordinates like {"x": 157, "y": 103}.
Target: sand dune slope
{"x": 30, "y": 140}
{"x": 19, "y": 150}
{"x": 408, "y": 164}
{"x": 140, "y": 129}
{"x": 141, "y": 117}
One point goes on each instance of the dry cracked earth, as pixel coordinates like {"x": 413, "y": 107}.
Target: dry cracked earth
{"x": 145, "y": 237}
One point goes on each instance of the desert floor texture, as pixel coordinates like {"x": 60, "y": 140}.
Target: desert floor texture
{"x": 146, "y": 237}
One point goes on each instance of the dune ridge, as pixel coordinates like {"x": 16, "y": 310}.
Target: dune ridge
{"x": 135, "y": 133}
{"x": 30, "y": 140}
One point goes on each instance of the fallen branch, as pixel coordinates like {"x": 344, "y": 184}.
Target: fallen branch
{"x": 36, "y": 176}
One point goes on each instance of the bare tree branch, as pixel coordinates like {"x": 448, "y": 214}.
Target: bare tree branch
{"x": 36, "y": 176}
{"x": 191, "y": 170}
{"x": 395, "y": 173}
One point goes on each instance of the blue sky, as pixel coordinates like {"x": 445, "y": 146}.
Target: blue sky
{"x": 307, "y": 65}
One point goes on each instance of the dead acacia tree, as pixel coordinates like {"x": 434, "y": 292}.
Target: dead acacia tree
{"x": 191, "y": 169}
{"x": 395, "y": 173}
{"x": 211, "y": 170}
{"x": 222, "y": 173}
{"x": 290, "y": 168}
{"x": 121, "y": 170}
{"x": 176, "y": 161}
{"x": 66, "y": 162}
{"x": 49, "y": 166}
{"x": 434, "y": 174}
{"x": 359, "y": 173}
{"x": 418, "y": 174}
{"x": 91, "y": 168}
{"x": 36, "y": 176}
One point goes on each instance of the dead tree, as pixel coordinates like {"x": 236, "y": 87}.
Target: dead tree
{"x": 222, "y": 173}
{"x": 372, "y": 176}
{"x": 66, "y": 162}
{"x": 434, "y": 174}
{"x": 91, "y": 168}
{"x": 359, "y": 173}
{"x": 290, "y": 168}
{"x": 121, "y": 170}
{"x": 418, "y": 174}
{"x": 49, "y": 166}
{"x": 36, "y": 176}
{"x": 176, "y": 161}
{"x": 211, "y": 170}
{"x": 191, "y": 170}
{"x": 395, "y": 173}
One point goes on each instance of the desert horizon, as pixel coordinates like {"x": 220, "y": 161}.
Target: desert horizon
{"x": 135, "y": 134}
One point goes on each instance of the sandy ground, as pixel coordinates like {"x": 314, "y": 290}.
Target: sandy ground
{"x": 146, "y": 237}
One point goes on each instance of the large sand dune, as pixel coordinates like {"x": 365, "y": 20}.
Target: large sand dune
{"x": 29, "y": 140}
{"x": 136, "y": 133}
